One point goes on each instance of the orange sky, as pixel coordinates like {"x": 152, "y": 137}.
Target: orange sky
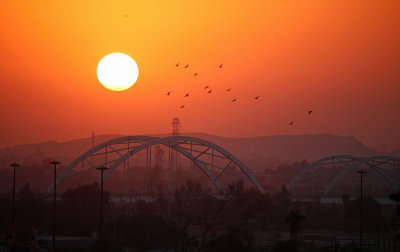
{"x": 339, "y": 58}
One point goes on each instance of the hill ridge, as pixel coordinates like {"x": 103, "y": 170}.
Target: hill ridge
{"x": 256, "y": 152}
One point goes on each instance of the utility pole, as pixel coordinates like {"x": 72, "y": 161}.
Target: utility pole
{"x": 13, "y": 193}
{"x": 101, "y": 169}
{"x": 361, "y": 172}
{"x": 53, "y": 245}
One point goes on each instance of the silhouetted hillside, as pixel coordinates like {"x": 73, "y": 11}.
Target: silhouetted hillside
{"x": 256, "y": 152}
{"x": 395, "y": 153}
{"x": 65, "y": 151}
{"x": 273, "y": 150}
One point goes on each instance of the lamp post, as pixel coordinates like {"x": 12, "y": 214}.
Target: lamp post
{"x": 55, "y": 163}
{"x": 101, "y": 169}
{"x": 361, "y": 172}
{"x": 13, "y": 165}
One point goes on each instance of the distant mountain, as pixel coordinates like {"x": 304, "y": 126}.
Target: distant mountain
{"x": 270, "y": 151}
{"x": 65, "y": 151}
{"x": 395, "y": 153}
{"x": 257, "y": 153}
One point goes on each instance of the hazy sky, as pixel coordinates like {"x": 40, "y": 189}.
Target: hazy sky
{"x": 338, "y": 58}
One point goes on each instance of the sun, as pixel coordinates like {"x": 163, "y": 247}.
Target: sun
{"x": 117, "y": 71}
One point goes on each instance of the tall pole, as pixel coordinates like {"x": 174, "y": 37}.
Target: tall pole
{"x": 101, "y": 206}
{"x": 13, "y": 193}
{"x": 361, "y": 172}
{"x": 55, "y": 163}
{"x": 101, "y": 169}
{"x": 150, "y": 181}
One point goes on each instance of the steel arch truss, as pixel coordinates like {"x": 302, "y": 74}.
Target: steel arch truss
{"x": 333, "y": 168}
{"x": 211, "y": 159}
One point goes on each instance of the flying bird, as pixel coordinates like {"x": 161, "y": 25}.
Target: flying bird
{"x": 220, "y": 66}
{"x": 229, "y": 89}
{"x": 187, "y": 95}
{"x": 257, "y": 97}
{"x": 206, "y": 87}
{"x": 177, "y": 64}
{"x": 310, "y": 112}
{"x": 186, "y": 66}
{"x": 234, "y": 100}
{"x": 183, "y": 106}
{"x": 169, "y": 93}
{"x": 291, "y": 123}
{"x": 195, "y": 74}
{"x": 209, "y": 91}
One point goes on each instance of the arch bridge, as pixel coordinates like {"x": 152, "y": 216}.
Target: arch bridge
{"x": 324, "y": 174}
{"x": 217, "y": 164}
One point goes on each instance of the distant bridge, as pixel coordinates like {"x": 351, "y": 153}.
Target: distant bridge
{"x": 212, "y": 160}
{"x": 324, "y": 174}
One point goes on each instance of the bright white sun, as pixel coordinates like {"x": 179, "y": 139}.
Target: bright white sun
{"x": 117, "y": 71}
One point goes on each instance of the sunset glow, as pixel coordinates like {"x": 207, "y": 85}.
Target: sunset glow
{"x": 337, "y": 58}
{"x": 252, "y": 126}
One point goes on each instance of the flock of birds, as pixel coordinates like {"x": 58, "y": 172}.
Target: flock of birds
{"x": 208, "y": 89}
{"x": 309, "y": 113}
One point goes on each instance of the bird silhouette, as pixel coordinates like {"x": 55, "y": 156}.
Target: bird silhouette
{"x": 183, "y": 106}
{"x": 209, "y": 91}
{"x": 169, "y": 93}
{"x": 177, "y": 64}
{"x": 257, "y": 97}
{"x": 291, "y": 123}
{"x": 220, "y": 66}
{"x": 234, "y": 100}
{"x": 187, "y": 95}
{"x": 195, "y": 74}
{"x": 186, "y": 66}
{"x": 206, "y": 87}
{"x": 310, "y": 112}
{"x": 229, "y": 89}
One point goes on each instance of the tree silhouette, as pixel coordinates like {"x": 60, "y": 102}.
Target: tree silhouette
{"x": 294, "y": 219}
{"x": 233, "y": 239}
{"x": 396, "y": 197}
{"x": 80, "y": 209}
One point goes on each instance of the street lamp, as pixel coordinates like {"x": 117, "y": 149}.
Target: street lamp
{"x": 13, "y": 193}
{"x": 101, "y": 169}
{"x": 361, "y": 172}
{"x": 55, "y": 163}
